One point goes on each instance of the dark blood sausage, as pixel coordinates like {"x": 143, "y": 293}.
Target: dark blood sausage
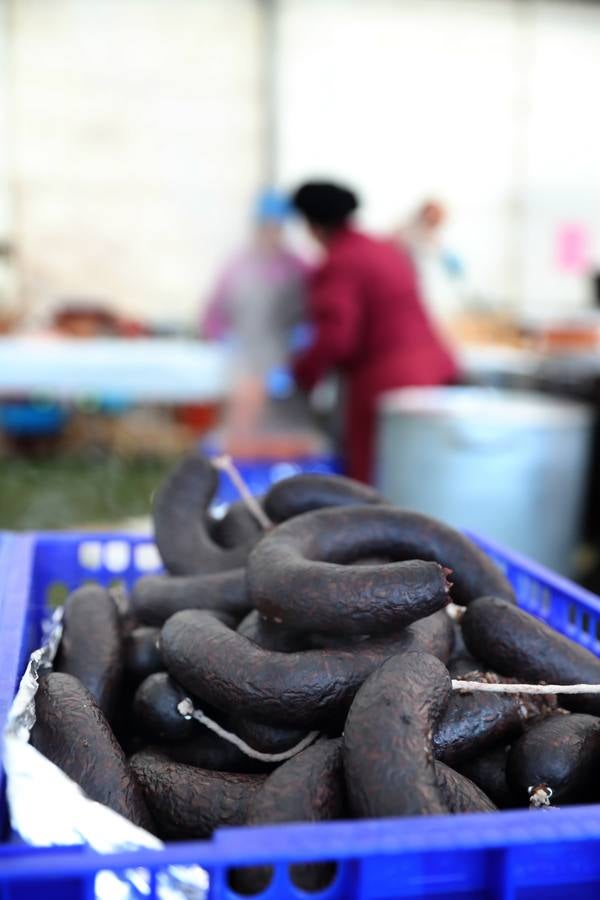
{"x": 433, "y": 634}
{"x": 309, "y": 787}
{"x": 266, "y": 738}
{"x": 181, "y": 526}
{"x": 471, "y": 723}
{"x": 207, "y": 750}
{"x": 238, "y": 526}
{"x": 142, "y": 656}
{"x": 513, "y": 642}
{"x": 155, "y": 709}
{"x": 460, "y": 648}
{"x": 238, "y": 677}
{"x": 388, "y": 755}
{"x": 156, "y": 597}
{"x": 296, "y": 561}
{"x": 461, "y": 662}
{"x": 488, "y": 772}
{"x": 562, "y": 753}
{"x": 71, "y": 730}
{"x": 460, "y": 794}
{"x": 462, "y": 665}
{"x": 302, "y": 493}
{"x": 269, "y": 635}
{"x": 475, "y": 721}
{"x": 188, "y": 802}
{"x": 91, "y": 645}
{"x": 301, "y": 573}
{"x": 122, "y": 600}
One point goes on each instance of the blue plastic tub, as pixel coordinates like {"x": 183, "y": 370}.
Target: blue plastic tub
{"x": 506, "y": 856}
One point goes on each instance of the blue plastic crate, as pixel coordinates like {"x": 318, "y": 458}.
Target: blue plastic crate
{"x": 260, "y": 474}
{"x": 506, "y": 856}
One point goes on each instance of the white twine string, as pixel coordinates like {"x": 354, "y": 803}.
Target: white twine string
{"x": 539, "y": 796}
{"x": 502, "y": 688}
{"x": 186, "y": 709}
{"x": 455, "y": 611}
{"x": 225, "y": 464}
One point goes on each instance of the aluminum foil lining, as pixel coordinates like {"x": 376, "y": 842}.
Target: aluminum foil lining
{"x": 48, "y": 809}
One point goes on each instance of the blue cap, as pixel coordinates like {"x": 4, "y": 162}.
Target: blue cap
{"x": 272, "y": 206}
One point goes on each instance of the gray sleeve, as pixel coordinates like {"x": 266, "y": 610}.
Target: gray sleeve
{"x": 262, "y": 319}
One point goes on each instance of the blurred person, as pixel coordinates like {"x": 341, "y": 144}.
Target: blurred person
{"x": 258, "y": 309}
{"x": 424, "y": 226}
{"x": 440, "y": 270}
{"x": 369, "y": 320}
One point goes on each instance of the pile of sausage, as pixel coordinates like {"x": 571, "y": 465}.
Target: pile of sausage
{"x": 333, "y": 621}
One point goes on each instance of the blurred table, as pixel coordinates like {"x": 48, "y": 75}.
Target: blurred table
{"x": 509, "y": 366}
{"x": 156, "y": 370}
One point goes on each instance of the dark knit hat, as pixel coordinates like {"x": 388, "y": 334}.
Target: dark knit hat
{"x": 325, "y": 204}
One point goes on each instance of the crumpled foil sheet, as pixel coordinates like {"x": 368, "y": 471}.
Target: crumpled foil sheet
{"x": 48, "y": 809}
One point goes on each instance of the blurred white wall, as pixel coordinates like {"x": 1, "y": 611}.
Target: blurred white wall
{"x": 138, "y": 134}
{"x": 4, "y": 139}
{"x": 137, "y": 146}
{"x": 487, "y": 104}
{"x": 406, "y": 100}
{"x": 7, "y": 286}
{"x": 561, "y": 173}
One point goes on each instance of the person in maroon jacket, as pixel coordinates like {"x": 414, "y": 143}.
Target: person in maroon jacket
{"x": 369, "y": 320}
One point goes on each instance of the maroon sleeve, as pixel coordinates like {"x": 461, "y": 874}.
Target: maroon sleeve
{"x": 335, "y": 314}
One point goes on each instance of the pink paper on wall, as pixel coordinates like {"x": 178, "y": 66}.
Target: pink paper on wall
{"x": 573, "y": 248}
